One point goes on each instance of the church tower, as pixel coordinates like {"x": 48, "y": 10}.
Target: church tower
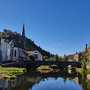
{"x": 23, "y": 31}
{"x": 22, "y": 37}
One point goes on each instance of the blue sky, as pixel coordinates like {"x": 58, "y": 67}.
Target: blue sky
{"x": 58, "y": 26}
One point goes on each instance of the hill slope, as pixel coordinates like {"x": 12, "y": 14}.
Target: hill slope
{"x": 30, "y": 46}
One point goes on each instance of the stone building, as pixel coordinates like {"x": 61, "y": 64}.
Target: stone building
{"x": 14, "y": 50}
{"x": 18, "y": 52}
{"x": 37, "y": 55}
{"x": 70, "y": 57}
{"x": 4, "y": 50}
{"x": 77, "y": 56}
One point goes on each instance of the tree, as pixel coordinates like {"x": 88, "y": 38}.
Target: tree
{"x": 32, "y": 57}
{"x": 60, "y": 58}
{"x": 56, "y": 58}
{"x": 64, "y": 57}
{"x": 88, "y": 53}
{"x": 7, "y": 40}
{"x": 84, "y": 59}
{"x": 1, "y": 36}
{"x": 45, "y": 57}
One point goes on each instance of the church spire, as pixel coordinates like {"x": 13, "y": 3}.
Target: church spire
{"x": 23, "y": 31}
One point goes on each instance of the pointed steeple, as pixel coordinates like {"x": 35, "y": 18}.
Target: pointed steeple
{"x": 22, "y": 39}
{"x": 23, "y": 31}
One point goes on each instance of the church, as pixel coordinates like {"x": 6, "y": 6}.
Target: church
{"x": 14, "y": 50}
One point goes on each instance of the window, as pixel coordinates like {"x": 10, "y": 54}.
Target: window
{"x": 15, "y": 53}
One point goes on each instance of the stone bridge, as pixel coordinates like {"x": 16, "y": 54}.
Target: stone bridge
{"x": 61, "y": 65}
{"x": 35, "y": 64}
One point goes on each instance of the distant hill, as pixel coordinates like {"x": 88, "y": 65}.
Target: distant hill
{"x": 30, "y": 45}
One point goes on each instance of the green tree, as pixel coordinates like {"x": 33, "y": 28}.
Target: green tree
{"x": 7, "y": 40}
{"x": 56, "y": 58}
{"x": 45, "y": 57}
{"x": 88, "y": 53}
{"x": 1, "y": 36}
{"x": 84, "y": 59}
{"x": 64, "y": 57}
{"x": 32, "y": 57}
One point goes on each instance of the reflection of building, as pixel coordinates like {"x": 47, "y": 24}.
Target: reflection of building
{"x": 76, "y": 80}
{"x": 37, "y": 55}
{"x": 21, "y": 82}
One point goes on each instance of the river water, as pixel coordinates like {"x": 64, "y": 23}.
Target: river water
{"x": 48, "y": 81}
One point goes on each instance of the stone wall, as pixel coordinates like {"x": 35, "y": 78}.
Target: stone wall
{"x": 5, "y": 48}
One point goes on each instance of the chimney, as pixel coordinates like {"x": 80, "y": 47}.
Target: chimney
{"x": 0, "y": 39}
{"x": 86, "y": 46}
{"x": 76, "y": 52}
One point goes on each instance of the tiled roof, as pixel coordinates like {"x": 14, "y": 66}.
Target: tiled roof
{"x": 33, "y": 52}
{"x": 29, "y": 52}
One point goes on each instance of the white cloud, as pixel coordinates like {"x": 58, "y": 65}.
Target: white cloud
{"x": 52, "y": 48}
{"x": 54, "y": 43}
{"x": 59, "y": 44}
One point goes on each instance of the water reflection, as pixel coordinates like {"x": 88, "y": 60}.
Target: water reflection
{"x": 50, "y": 81}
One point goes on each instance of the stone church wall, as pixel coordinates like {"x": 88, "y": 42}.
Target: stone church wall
{"x": 15, "y": 53}
{"x": 5, "y": 48}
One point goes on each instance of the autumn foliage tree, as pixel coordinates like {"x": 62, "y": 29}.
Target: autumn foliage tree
{"x": 60, "y": 58}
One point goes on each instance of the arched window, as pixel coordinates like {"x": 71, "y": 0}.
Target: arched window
{"x": 15, "y": 53}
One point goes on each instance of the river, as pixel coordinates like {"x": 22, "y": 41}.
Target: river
{"x": 48, "y": 81}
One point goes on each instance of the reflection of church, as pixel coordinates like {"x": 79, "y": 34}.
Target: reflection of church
{"x": 21, "y": 82}
{"x": 14, "y": 50}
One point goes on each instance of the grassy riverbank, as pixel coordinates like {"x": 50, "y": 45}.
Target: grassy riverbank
{"x": 48, "y": 68}
{"x": 11, "y": 71}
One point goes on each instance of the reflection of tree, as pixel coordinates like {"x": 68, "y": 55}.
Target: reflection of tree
{"x": 64, "y": 79}
{"x": 84, "y": 83}
{"x": 56, "y": 78}
{"x": 88, "y": 84}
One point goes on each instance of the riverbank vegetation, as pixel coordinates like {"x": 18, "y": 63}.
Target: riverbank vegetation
{"x": 85, "y": 62}
{"x": 11, "y": 71}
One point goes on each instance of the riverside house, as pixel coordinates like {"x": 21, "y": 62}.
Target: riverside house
{"x": 37, "y": 55}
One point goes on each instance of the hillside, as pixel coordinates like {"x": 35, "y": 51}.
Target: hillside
{"x": 30, "y": 46}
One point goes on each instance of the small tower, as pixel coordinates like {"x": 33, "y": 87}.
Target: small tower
{"x": 22, "y": 37}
